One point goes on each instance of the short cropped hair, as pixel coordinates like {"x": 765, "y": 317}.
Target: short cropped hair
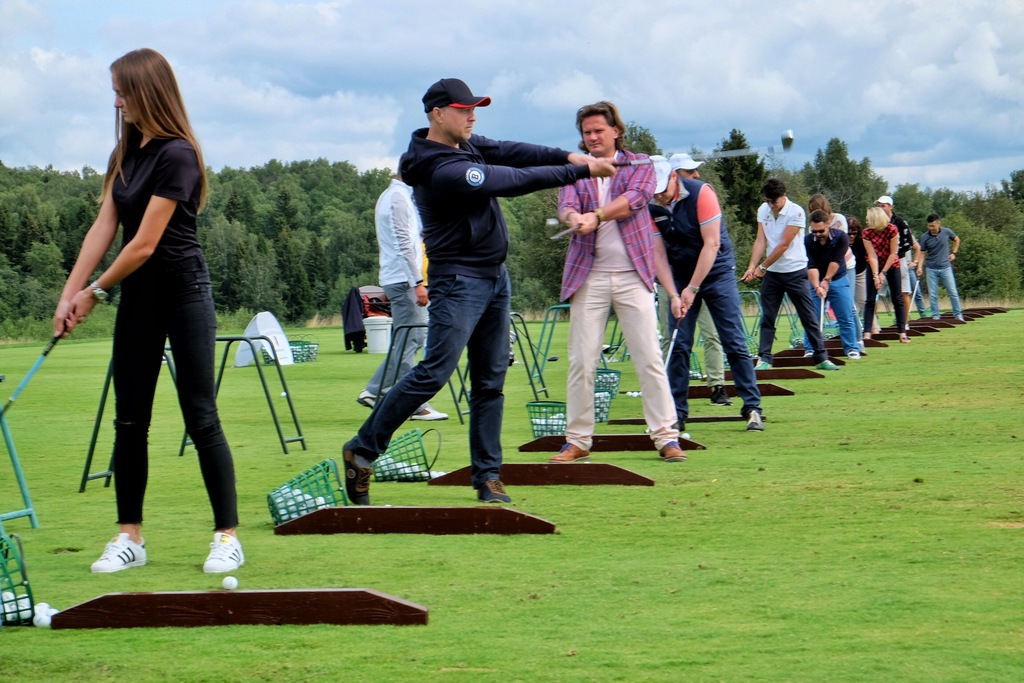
{"x": 773, "y": 188}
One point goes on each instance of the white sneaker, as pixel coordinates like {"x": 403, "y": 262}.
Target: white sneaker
{"x": 121, "y": 553}
{"x": 808, "y": 354}
{"x": 225, "y": 554}
{"x": 853, "y": 355}
{"x": 429, "y": 414}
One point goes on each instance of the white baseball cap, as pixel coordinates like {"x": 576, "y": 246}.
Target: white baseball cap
{"x": 684, "y": 162}
{"x": 884, "y": 199}
{"x": 662, "y": 170}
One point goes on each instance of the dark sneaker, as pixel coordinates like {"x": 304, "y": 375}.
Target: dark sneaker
{"x": 719, "y": 397}
{"x": 754, "y": 422}
{"x": 671, "y": 452}
{"x": 493, "y": 491}
{"x": 357, "y": 479}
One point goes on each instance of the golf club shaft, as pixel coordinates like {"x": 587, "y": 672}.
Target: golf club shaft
{"x": 634, "y": 162}
{"x": 32, "y": 371}
{"x": 567, "y": 231}
{"x": 672, "y": 343}
{"x": 821, "y": 317}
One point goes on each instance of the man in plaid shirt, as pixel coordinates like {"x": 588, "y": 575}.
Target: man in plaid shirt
{"x": 612, "y": 262}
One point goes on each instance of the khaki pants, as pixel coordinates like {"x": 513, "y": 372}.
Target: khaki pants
{"x": 633, "y": 303}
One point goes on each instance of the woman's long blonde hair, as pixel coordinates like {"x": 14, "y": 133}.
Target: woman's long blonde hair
{"x": 147, "y": 84}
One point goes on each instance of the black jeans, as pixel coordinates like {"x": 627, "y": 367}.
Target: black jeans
{"x": 160, "y": 303}
{"x": 794, "y": 284}
{"x": 892, "y": 278}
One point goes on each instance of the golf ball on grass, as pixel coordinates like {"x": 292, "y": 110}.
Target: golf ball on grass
{"x": 284, "y": 393}
{"x": 42, "y": 620}
{"x": 686, "y": 435}
{"x": 230, "y": 583}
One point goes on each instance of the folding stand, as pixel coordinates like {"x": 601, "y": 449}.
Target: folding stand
{"x": 231, "y": 339}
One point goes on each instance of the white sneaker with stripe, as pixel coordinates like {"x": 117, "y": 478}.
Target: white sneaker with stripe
{"x": 120, "y": 553}
{"x": 225, "y": 554}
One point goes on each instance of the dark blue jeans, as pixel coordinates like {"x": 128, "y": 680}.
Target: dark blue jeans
{"x": 722, "y": 298}
{"x": 773, "y": 288}
{"x": 161, "y": 303}
{"x": 468, "y": 313}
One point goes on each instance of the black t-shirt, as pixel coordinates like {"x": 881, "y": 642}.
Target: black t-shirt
{"x": 906, "y": 236}
{"x": 168, "y": 168}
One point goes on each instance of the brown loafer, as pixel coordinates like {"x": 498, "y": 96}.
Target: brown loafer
{"x": 671, "y": 452}
{"x": 570, "y": 453}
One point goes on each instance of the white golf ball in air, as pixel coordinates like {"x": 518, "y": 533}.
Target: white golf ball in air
{"x": 230, "y": 583}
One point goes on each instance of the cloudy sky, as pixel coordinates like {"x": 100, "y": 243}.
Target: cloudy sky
{"x": 931, "y": 91}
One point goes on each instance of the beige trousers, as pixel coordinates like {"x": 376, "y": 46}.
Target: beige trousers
{"x": 633, "y": 304}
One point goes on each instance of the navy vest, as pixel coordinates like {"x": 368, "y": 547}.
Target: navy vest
{"x": 683, "y": 240}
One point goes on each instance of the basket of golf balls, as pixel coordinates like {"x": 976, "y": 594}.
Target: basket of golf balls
{"x": 406, "y": 458}
{"x": 602, "y": 405}
{"x": 15, "y": 594}
{"x": 547, "y": 418}
{"x": 316, "y": 488}
{"x": 607, "y": 380}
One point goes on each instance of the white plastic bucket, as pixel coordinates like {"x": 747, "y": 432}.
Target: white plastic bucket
{"x": 378, "y": 333}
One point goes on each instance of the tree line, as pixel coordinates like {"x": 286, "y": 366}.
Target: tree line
{"x": 293, "y": 238}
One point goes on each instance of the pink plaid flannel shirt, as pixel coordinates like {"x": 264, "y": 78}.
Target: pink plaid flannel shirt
{"x": 637, "y": 183}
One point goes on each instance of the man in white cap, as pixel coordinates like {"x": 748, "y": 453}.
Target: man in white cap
{"x": 695, "y": 238}
{"x": 714, "y": 360}
{"x": 907, "y": 242}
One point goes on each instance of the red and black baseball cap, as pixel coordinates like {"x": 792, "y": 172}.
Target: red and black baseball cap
{"x": 451, "y": 92}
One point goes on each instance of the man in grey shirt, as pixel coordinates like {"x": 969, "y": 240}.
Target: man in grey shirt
{"x": 938, "y": 259}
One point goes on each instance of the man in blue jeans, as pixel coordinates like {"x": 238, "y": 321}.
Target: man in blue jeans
{"x": 688, "y": 216}
{"x": 938, "y": 259}
{"x": 456, "y": 178}
{"x": 826, "y": 274}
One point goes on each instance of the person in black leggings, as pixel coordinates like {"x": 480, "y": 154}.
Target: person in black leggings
{"x": 154, "y": 187}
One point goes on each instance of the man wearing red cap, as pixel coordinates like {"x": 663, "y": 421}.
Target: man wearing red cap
{"x": 457, "y": 178}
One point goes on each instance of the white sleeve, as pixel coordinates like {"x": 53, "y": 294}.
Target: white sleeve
{"x": 407, "y": 237}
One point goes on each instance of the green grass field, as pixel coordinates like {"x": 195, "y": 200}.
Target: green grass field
{"x": 872, "y": 532}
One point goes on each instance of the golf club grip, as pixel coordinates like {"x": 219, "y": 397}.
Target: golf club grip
{"x": 53, "y": 342}
{"x": 635, "y": 162}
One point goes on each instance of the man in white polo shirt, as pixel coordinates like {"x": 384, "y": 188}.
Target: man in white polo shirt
{"x": 780, "y": 227}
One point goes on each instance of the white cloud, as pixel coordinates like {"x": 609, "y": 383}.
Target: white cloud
{"x": 919, "y": 87}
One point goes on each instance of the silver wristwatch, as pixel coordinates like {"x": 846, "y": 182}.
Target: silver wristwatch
{"x": 98, "y": 292}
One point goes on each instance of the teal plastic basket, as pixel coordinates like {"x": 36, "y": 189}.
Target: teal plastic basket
{"x": 316, "y": 488}
{"x": 406, "y": 458}
{"x": 547, "y": 418}
{"x": 16, "y": 605}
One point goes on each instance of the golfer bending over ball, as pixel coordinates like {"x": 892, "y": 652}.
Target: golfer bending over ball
{"x": 154, "y": 187}
{"x": 456, "y": 178}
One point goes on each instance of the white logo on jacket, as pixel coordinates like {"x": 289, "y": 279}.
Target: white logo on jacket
{"x": 475, "y": 176}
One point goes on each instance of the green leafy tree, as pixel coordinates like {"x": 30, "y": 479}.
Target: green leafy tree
{"x": 640, "y": 140}
{"x": 851, "y": 186}
{"x": 985, "y": 266}
{"x": 741, "y": 181}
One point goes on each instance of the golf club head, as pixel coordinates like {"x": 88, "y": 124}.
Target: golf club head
{"x": 787, "y": 139}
